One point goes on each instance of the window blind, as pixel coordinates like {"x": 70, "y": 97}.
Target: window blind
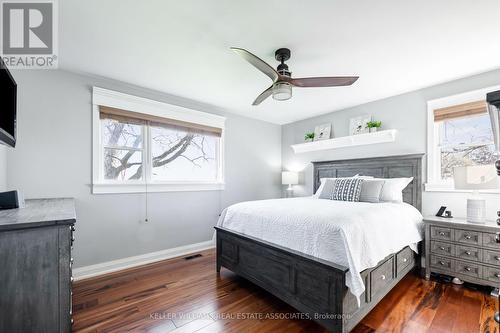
{"x": 459, "y": 111}
{"x": 131, "y": 117}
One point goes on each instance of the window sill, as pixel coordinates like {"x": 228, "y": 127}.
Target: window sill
{"x": 108, "y": 188}
{"x": 449, "y": 188}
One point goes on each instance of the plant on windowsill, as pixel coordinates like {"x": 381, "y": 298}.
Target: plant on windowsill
{"x": 309, "y": 137}
{"x": 373, "y": 126}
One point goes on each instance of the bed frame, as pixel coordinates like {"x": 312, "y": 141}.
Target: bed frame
{"x": 314, "y": 286}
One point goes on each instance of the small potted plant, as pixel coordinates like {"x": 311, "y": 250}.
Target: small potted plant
{"x": 309, "y": 137}
{"x": 373, "y": 126}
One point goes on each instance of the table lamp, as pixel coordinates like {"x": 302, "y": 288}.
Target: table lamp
{"x": 289, "y": 178}
{"x": 475, "y": 178}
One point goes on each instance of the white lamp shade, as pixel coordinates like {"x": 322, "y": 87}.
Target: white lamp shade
{"x": 477, "y": 177}
{"x": 289, "y": 178}
{"x": 495, "y": 124}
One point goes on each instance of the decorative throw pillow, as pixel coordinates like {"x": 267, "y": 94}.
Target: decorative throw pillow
{"x": 370, "y": 190}
{"x": 347, "y": 189}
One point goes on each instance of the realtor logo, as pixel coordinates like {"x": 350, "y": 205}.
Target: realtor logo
{"x": 29, "y": 34}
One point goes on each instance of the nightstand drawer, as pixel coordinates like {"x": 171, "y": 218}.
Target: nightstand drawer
{"x": 468, "y": 237}
{"x": 441, "y": 233}
{"x": 466, "y": 268}
{"x": 468, "y": 252}
{"x": 490, "y": 241}
{"x": 491, "y": 257}
{"x": 491, "y": 274}
{"x": 442, "y": 248}
{"x": 442, "y": 263}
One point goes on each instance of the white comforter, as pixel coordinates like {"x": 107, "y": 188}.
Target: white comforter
{"x": 356, "y": 235}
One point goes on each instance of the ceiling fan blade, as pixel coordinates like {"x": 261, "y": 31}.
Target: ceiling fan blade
{"x": 258, "y": 63}
{"x": 333, "y": 81}
{"x": 265, "y": 94}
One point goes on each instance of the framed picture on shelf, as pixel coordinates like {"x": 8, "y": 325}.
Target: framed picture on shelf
{"x": 322, "y": 132}
{"x": 359, "y": 125}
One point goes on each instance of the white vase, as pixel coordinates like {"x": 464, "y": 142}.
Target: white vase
{"x": 373, "y": 129}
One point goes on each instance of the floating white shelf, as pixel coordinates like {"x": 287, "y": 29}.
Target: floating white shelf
{"x": 346, "y": 141}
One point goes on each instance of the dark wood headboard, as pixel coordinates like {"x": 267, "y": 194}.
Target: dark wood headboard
{"x": 381, "y": 167}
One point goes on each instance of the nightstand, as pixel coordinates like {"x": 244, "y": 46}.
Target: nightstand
{"x": 469, "y": 251}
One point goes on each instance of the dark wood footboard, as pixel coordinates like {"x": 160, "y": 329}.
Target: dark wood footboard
{"x": 313, "y": 286}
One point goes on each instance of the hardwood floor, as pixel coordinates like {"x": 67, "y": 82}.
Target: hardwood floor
{"x": 153, "y": 299}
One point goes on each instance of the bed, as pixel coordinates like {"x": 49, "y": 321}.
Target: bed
{"x": 310, "y": 283}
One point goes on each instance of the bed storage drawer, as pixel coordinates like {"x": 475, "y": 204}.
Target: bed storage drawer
{"x": 442, "y": 263}
{"x": 468, "y": 237}
{"x": 441, "y": 233}
{"x": 381, "y": 277}
{"x": 446, "y": 249}
{"x": 403, "y": 259}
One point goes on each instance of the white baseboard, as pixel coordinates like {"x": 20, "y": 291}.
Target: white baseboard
{"x": 124, "y": 263}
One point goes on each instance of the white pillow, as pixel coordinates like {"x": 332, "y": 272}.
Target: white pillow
{"x": 329, "y": 189}
{"x": 392, "y": 190}
{"x": 321, "y": 187}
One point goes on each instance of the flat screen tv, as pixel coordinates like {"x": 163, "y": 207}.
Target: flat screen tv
{"x": 8, "y": 107}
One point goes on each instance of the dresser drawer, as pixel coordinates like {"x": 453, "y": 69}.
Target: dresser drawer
{"x": 466, "y": 268}
{"x": 442, "y": 263}
{"x": 442, "y": 248}
{"x": 381, "y": 277}
{"x": 491, "y": 257}
{"x": 490, "y": 241}
{"x": 403, "y": 259}
{"x": 468, "y": 252}
{"x": 441, "y": 233}
{"x": 468, "y": 237}
{"x": 491, "y": 274}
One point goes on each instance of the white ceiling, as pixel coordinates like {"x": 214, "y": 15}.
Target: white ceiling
{"x": 182, "y": 47}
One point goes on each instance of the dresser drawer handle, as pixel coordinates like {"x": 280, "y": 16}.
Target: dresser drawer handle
{"x": 442, "y": 263}
{"x": 382, "y": 277}
{"x": 468, "y": 269}
{"x": 405, "y": 259}
{"x": 497, "y": 275}
{"x": 468, "y": 236}
{"x": 441, "y": 248}
{"x": 467, "y": 253}
{"x": 497, "y": 258}
{"x": 442, "y": 233}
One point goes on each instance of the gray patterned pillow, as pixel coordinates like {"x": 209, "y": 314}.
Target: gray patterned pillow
{"x": 347, "y": 189}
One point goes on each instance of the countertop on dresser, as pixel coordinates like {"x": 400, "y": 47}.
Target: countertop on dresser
{"x": 488, "y": 225}
{"x": 38, "y": 213}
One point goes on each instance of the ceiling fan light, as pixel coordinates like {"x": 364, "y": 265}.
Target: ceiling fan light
{"x": 282, "y": 91}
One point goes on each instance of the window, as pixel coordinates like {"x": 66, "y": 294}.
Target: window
{"x": 143, "y": 148}
{"x": 459, "y": 134}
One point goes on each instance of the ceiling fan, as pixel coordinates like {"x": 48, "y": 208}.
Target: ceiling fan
{"x": 281, "y": 89}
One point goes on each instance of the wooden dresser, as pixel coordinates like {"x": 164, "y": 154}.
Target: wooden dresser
{"x": 35, "y": 261}
{"x": 469, "y": 251}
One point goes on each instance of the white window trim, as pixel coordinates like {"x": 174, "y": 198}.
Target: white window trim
{"x": 109, "y": 98}
{"x": 434, "y": 182}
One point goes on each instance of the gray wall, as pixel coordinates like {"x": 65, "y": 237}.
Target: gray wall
{"x": 408, "y": 114}
{"x": 53, "y": 159}
{"x": 3, "y": 168}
